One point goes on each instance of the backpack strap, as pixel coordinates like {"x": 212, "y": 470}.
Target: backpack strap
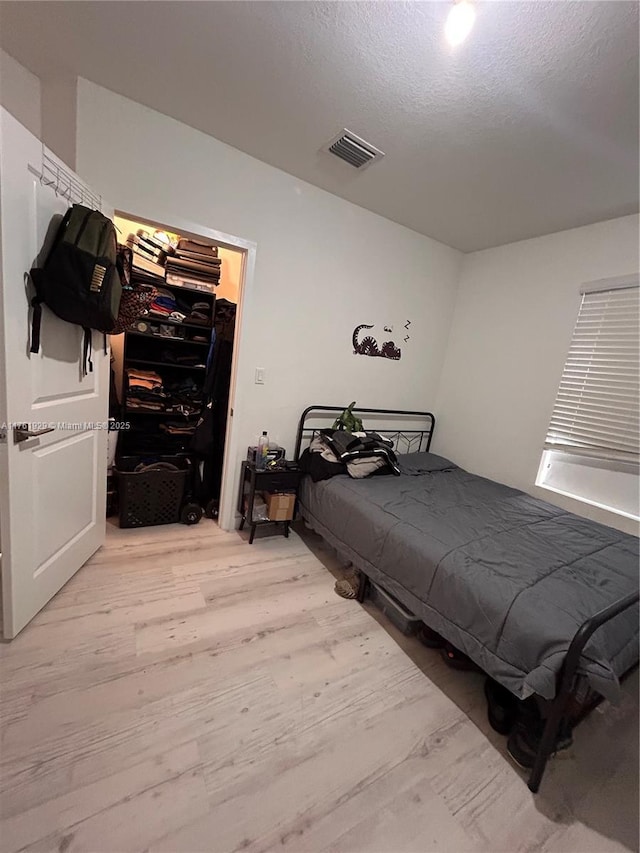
{"x": 36, "y": 304}
{"x": 86, "y": 352}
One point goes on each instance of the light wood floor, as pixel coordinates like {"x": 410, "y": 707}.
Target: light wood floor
{"x": 187, "y": 692}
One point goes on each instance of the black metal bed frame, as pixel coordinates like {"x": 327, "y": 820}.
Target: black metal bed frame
{"x": 567, "y": 680}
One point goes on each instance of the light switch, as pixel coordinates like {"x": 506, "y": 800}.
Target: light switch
{"x": 259, "y": 375}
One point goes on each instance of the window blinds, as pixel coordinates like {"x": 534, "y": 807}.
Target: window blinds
{"x": 596, "y": 410}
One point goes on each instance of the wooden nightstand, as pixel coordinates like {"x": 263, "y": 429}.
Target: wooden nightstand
{"x": 263, "y": 480}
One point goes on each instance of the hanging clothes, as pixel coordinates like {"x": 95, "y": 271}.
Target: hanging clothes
{"x": 209, "y": 437}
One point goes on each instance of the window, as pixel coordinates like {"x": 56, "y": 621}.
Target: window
{"x": 591, "y": 448}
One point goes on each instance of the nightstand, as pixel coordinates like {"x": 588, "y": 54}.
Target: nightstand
{"x": 253, "y": 480}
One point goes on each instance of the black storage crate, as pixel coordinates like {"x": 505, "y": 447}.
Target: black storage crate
{"x": 151, "y": 497}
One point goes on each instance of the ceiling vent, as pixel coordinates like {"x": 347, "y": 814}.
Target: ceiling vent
{"x": 353, "y": 150}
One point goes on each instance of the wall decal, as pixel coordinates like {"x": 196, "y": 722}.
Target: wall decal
{"x": 406, "y": 325}
{"x": 369, "y": 346}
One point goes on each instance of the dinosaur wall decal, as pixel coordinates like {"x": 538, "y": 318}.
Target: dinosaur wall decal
{"x": 369, "y": 346}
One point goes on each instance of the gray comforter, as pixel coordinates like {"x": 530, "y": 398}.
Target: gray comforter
{"x": 506, "y": 578}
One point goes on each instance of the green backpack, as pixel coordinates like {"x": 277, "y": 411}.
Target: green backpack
{"x": 79, "y": 280}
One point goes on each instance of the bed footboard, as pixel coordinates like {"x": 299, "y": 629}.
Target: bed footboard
{"x": 566, "y": 682}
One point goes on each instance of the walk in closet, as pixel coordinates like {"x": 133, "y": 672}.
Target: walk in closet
{"x": 171, "y": 367}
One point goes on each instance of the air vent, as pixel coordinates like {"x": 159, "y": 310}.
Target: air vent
{"x": 353, "y": 150}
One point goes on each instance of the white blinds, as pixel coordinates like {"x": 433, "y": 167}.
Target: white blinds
{"x": 596, "y": 410}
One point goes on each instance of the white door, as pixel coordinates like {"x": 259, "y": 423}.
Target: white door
{"x": 52, "y": 485}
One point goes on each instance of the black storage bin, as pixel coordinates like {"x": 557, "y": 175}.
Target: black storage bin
{"x": 393, "y": 610}
{"x": 150, "y": 497}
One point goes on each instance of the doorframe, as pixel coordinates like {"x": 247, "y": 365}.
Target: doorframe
{"x": 228, "y": 487}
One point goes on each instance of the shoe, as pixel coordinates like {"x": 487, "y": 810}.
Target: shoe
{"x": 456, "y": 659}
{"x": 523, "y": 744}
{"x": 430, "y": 638}
{"x": 502, "y": 707}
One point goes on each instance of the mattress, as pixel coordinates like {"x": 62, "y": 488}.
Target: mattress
{"x": 506, "y": 578}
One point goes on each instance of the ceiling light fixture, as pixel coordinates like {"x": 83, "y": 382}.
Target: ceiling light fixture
{"x": 460, "y": 22}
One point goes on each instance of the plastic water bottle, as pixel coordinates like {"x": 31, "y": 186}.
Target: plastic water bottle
{"x": 263, "y": 451}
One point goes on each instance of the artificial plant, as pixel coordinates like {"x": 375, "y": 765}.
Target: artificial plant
{"x": 348, "y": 421}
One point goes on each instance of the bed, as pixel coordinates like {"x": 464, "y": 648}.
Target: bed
{"x": 536, "y": 596}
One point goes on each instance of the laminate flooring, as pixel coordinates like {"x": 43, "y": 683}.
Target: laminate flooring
{"x": 188, "y": 692}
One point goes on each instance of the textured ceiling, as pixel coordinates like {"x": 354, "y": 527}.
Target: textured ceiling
{"x": 529, "y": 127}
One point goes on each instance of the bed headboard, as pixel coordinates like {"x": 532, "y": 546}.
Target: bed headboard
{"x": 410, "y": 432}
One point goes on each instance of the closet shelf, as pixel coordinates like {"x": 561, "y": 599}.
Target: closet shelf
{"x": 165, "y": 338}
{"x": 162, "y": 414}
{"x": 166, "y": 364}
{"x": 147, "y": 318}
{"x": 177, "y": 287}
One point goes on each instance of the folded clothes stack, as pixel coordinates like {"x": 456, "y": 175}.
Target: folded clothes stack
{"x": 185, "y": 395}
{"x": 146, "y": 379}
{"x": 164, "y": 305}
{"x": 149, "y": 251}
{"x": 145, "y": 402}
{"x": 200, "y": 314}
{"x": 146, "y": 392}
{"x": 193, "y": 264}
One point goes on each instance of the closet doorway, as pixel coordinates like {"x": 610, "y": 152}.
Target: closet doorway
{"x": 174, "y": 370}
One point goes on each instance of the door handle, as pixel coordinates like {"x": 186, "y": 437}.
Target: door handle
{"x": 22, "y": 432}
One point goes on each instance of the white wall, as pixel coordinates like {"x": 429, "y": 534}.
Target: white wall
{"x": 45, "y": 107}
{"x": 59, "y": 110}
{"x": 323, "y": 265}
{"x": 20, "y": 93}
{"x": 514, "y": 317}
